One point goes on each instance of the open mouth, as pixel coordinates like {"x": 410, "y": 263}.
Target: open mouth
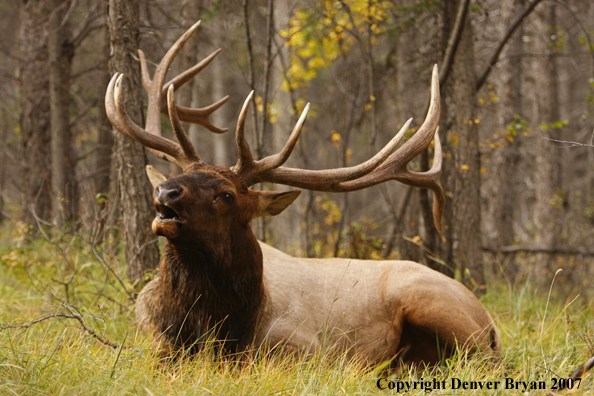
{"x": 166, "y": 213}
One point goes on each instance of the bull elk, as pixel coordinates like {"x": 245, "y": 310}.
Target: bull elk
{"x": 216, "y": 276}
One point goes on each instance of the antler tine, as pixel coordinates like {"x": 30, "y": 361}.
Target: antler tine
{"x": 144, "y": 73}
{"x": 249, "y": 170}
{"x": 200, "y": 116}
{"x": 186, "y": 145}
{"x": 245, "y": 159}
{"x": 195, "y": 116}
{"x": 278, "y": 159}
{"x": 110, "y": 107}
{"x": 154, "y": 87}
{"x": 116, "y": 112}
{"x": 438, "y": 194}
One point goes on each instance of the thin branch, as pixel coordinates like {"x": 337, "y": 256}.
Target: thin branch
{"x": 77, "y": 317}
{"x": 544, "y": 55}
{"x": 503, "y": 42}
{"x": 251, "y": 78}
{"x": 267, "y": 68}
{"x": 570, "y": 144}
{"x": 454, "y": 40}
{"x": 540, "y": 249}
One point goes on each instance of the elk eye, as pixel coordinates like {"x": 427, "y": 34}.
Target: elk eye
{"x": 228, "y": 198}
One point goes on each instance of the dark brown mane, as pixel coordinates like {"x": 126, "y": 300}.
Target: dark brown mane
{"x": 202, "y": 291}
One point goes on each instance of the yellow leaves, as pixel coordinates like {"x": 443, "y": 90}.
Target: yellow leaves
{"x": 464, "y": 167}
{"x": 333, "y": 212}
{"x": 367, "y": 106}
{"x": 316, "y": 42}
{"x": 417, "y": 239}
{"x": 259, "y": 105}
{"x": 483, "y": 170}
{"x": 347, "y": 157}
{"x": 454, "y": 138}
{"x": 273, "y": 110}
{"x": 317, "y": 63}
{"x": 372, "y": 98}
{"x": 335, "y": 138}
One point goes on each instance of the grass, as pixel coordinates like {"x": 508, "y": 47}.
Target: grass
{"x": 78, "y": 294}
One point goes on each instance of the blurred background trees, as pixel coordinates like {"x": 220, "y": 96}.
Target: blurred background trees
{"x": 517, "y": 80}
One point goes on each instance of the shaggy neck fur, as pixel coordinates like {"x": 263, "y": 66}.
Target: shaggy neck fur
{"x": 211, "y": 291}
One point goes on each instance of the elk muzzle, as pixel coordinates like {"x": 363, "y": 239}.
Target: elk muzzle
{"x": 168, "y": 222}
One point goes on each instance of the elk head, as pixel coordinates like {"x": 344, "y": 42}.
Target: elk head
{"x": 206, "y": 201}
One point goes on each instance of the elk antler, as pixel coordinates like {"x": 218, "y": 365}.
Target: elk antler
{"x": 385, "y": 165}
{"x": 160, "y": 99}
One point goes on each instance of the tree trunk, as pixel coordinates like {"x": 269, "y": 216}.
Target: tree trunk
{"x": 35, "y": 113}
{"x": 61, "y": 52}
{"x": 105, "y": 137}
{"x": 466, "y": 202}
{"x": 546, "y": 111}
{"x": 503, "y": 197}
{"x": 142, "y": 251}
{"x": 444, "y": 247}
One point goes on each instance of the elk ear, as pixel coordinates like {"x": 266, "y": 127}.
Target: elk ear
{"x": 155, "y": 176}
{"x": 272, "y": 203}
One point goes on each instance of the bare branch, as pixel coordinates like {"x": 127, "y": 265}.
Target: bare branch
{"x": 77, "y": 317}
{"x": 570, "y": 144}
{"x": 504, "y": 40}
{"x": 448, "y": 57}
{"x": 251, "y": 78}
{"x": 540, "y": 249}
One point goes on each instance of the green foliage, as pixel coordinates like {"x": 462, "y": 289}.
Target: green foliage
{"x": 554, "y": 125}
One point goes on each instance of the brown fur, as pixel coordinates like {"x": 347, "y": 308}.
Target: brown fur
{"x": 216, "y": 277}
{"x": 205, "y": 283}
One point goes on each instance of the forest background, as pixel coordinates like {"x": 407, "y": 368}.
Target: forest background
{"x": 517, "y": 85}
{"x": 517, "y": 122}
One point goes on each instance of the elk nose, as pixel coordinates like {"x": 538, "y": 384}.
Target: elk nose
{"x": 165, "y": 195}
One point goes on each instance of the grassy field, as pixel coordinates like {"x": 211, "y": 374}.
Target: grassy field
{"x": 67, "y": 328}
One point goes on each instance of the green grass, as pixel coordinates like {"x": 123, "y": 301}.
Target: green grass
{"x": 544, "y": 337}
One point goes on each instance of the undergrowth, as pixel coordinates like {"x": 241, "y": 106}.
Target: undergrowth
{"x": 67, "y": 327}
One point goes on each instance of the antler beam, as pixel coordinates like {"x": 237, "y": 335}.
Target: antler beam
{"x": 387, "y": 164}
{"x": 182, "y": 154}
